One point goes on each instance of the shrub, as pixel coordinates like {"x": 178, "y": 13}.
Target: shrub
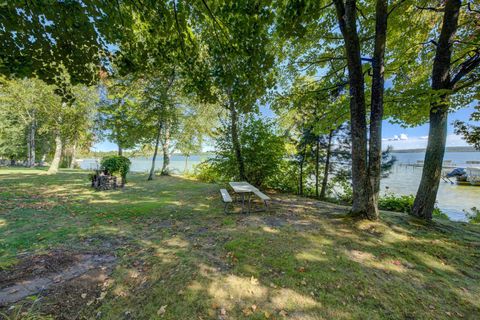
{"x": 262, "y": 151}
{"x": 392, "y": 202}
{"x": 205, "y": 172}
{"x": 116, "y": 164}
{"x": 473, "y": 215}
{"x": 285, "y": 179}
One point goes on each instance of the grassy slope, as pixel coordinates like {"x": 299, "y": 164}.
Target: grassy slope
{"x": 303, "y": 259}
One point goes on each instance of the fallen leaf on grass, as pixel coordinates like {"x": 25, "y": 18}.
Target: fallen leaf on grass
{"x": 162, "y": 310}
{"x": 247, "y": 312}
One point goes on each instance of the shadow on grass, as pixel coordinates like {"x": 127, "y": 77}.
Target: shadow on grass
{"x": 181, "y": 258}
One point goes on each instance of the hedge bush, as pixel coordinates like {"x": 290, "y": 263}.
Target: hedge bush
{"x": 116, "y": 164}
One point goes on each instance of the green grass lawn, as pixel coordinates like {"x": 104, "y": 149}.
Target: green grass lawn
{"x": 180, "y": 257}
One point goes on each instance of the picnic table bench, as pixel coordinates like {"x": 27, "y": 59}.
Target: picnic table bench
{"x": 243, "y": 189}
{"x": 226, "y": 198}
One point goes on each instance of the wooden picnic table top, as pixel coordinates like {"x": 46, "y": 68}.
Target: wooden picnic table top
{"x": 242, "y": 187}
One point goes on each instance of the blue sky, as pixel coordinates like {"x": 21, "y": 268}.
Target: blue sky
{"x": 393, "y": 134}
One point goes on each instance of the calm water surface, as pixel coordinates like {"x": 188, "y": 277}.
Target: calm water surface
{"x": 404, "y": 180}
{"x": 451, "y": 198}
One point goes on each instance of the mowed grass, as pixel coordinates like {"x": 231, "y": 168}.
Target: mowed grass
{"x": 180, "y": 257}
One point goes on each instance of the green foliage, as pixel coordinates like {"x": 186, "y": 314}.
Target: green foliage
{"x": 391, "y": 202}
{"x": 206, "y": 172}
{"x": 473, "y": 215}
{"x": 262, "y": 150}
{"x": 404, "y": 203}
{"x": 116, "y": 164}
{"x": 285, "y": 178}
{"x": 470, "y": 133}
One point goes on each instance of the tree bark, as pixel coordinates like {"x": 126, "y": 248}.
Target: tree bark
{"x": 166, "y": 151}
{"x": 74, "y": 154}
{"x": 427, "y": 191}
{"x": 31, "y": 141}
{"x": 300, "y": 179}
{"x": 29, "y": 149}
{"x": 376, "y": 109}
{"x": 326, "y": 170}
{"x": 347, "y": 20}
{"x": 236, "y": 141}
{"x": 120, "y": 150}
{"x": 302, "y": 163}
{"x": 33, "y": 131}
{"x": 157, "y": 142}
{"x": 186, "y": 164}
{"x": 57, "y": 156}
{"x": 317, "y": 166}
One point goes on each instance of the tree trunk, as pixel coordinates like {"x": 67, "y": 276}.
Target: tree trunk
{"x": 157, "y": 142}
{"x": 302, "y": 163}
{"x": 57, "y": 156}
{"x": 120, "y": 150}
{"x": 376, "y": 109}
{"x": 347, "y": 20}
{"x": 300, "y": 179}
{"x": 317, "y": 165}
{"x": 437, "y": 135}
{"x": 29, "y": 149}
{"x": 33, "y": 131}
{"x": 166, "y": 151}
{"x": 186, "y": 164}
{"x": 326, "y": 170}
{"x": 74, "y": 154}
{"x": 236, "y": 141}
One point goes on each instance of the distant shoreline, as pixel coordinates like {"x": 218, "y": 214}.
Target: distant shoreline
{"x": 448, "y": 149}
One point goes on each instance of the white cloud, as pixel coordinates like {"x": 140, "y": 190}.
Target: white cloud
{"x": 453, "y": 140}
{"x": 403, "y": 136}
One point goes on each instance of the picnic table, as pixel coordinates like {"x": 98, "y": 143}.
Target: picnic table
{"x": 244, "y": 189}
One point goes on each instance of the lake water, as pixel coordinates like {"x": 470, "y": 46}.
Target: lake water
{"x": 451, "y": 198}
{"x": 143, "y": 164}
{"x": 404, "y": 180}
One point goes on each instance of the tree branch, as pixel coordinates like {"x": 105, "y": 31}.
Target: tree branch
{"x": 395, "y": 6}
{"x": 435, "y": 9}
{"x": 466, "y": 67}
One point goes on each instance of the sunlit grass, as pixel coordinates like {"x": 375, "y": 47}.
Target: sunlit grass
{"x": 301, "y": 260}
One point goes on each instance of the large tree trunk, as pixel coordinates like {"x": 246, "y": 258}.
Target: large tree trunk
{"x": 186, "y": 164}
{"x": 157, "y": 142}
{"x": 120, "y": 150}
{"x": 74, "y": 154}
{"x": 166, "y": 151}
{"x": 236, "y": 141}
{"x": 326, "y": 170}
{"x": 347, "y": 20}
{"x": 437, "y": 135}
{"x": 317, "y": 166}
{"x": 57, "y": 156}
{"x": 376, "y": 109}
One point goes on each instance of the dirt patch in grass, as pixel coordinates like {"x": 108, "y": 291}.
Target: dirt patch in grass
{"x": 36, "y": 266}
{"x": 65, "y": 281}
